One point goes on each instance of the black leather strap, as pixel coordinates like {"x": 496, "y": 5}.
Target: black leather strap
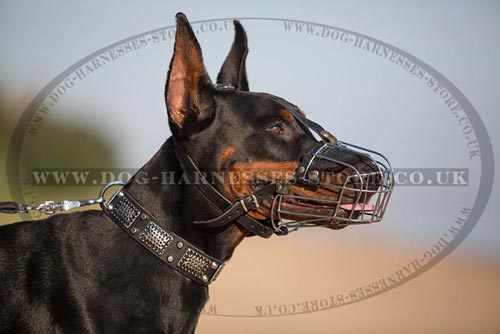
{"x": 240, "y": 207}
{"x": 196, "y": 177}
{"x": 165, "y": 245}
{"x": 308, "y": 124}
{"x": 10, "y": 207}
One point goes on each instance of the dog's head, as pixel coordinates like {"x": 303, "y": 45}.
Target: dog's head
{"x": 251, "y": 138}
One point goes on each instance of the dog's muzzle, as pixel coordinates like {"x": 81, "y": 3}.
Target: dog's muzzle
{"x": 335, "y": 185}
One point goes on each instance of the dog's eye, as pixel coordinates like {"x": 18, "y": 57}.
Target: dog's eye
{"x": 277, "y": 129}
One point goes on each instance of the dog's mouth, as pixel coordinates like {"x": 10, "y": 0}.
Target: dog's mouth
{"x": 297, "y": 206}
{"x": 303, "y": 202}
{"x": 313, "y": 207}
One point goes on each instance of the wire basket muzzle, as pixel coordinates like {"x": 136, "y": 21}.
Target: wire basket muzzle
{"x": 335, "y": 185}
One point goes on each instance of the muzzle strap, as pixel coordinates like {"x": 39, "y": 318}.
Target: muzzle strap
{"x": 240, "y": 207}
{"x": 195, "y": 176}
{"x": 326, "y": 136}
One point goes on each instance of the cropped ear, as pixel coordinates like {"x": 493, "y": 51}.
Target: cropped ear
{"x": 188, "y": 90}
{"x": 233, "y": 71}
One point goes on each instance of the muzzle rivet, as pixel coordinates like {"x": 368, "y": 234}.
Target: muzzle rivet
{"x": 302, "y": 169}
{"x": 110, "y": 207}
{"x": 204, "y": 278}
{"x": 214, "y": 265}
{"x": 170, "y": 259}
{"x": 180, "y": 244}
{"x": 120, "y": 194}
{"x": 314, "y": 174}
{"x": 133, "y": 230}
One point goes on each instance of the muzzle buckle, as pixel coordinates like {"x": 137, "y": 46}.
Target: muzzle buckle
{"x": 253, "y": 201}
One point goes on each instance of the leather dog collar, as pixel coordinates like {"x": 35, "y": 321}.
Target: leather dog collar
{"x": 173, "y": 250}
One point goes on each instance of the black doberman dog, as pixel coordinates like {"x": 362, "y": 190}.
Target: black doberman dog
{"x": 80, "y": 273}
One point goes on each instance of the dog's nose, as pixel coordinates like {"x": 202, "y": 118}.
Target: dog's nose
{"x": 366, "y": 165}
{"x": 356, "y": 170}
{"x": 344, "y": 161}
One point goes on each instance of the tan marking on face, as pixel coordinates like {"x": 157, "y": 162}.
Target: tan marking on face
{"x": 227, "y": 153}
{"x": 238, "y": 180}
{"x": 286, "y": 114}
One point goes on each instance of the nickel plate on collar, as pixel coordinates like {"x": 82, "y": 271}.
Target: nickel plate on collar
{"x": 196, "y": 264}
{"x": 155, "y": 238}
{"x": 124, "y": 210}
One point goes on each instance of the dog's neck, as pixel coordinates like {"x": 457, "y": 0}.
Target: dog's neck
{"x": 160, "y": 187}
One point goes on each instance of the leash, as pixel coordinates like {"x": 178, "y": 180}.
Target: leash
{"x": 47, "y": 207}
{"x": 52, "y": 207}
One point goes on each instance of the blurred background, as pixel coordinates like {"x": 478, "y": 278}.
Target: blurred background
{"x": 361, "y": 97}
